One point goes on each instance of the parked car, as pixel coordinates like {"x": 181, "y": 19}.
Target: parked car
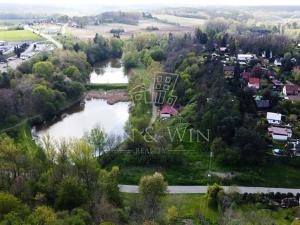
{"x": 278, "y": 152}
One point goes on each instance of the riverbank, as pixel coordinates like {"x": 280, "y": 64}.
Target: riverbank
{"x": 111, "y": 96}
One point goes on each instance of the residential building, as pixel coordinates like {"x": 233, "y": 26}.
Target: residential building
{"x": 262, "y": 104}
{"x": 274, "y": 118}
{"x": 280, "y": 133}
{"x": 290, "y": 89}
{"x": 254, "y": 83}
{"x": 228, "y": 71}
{"x": 168, "y": 111}
{"x": 277, "y": 84}
{"x": 245, "y": 57}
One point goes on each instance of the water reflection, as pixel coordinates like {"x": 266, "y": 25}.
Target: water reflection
{"x": 79, "y": 120}
{"x": 108, "y": 72}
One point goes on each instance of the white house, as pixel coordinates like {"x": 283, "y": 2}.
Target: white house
{"x": 245, "y": 57}
{"x": 280, "y": 133}
{"x": 274, "y": 118}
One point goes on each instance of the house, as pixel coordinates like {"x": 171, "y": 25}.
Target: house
{"x": 246, "y": 75}
{"x": 290, "y": 89}
{"x": 223, "y": 49}
{"x": 168, "y": 111}
{"x": 280, "y": 133}
{"x": 228, "y": 71}
{"x": 262, "y": 104}
{"x": 253, "y": 82}
{"x": 274, "y": 118}
{"x": 277, "y": 84}
{"x": 245, "y": 57}
{"x": 278, "y": 62}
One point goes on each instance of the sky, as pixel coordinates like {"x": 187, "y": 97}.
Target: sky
{"x": 157, "y": 2}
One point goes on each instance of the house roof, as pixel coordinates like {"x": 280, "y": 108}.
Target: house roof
{"x": 273, "y": 116}
{"x": 280, "y": 130}
{"x": 169, "y": 110}
{"x": 262, "y": 104}
{"x": 290, "y": 88}
{"x": 277, "y": 83}
{"x": 254, "y": 81}
{"x": 223, "y": 49}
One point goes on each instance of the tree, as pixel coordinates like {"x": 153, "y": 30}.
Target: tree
{"x": 213, "y": 195}
{"x": 200, "y": 36}
{"x": 9, "y": 203}
{"x": 131, "y": 59}
{"x": 152, "y": 188}
{"x": 97, "y": 137}
{"x": 44, "y": 69}
{"x": 82, "y": 156}
{"x": 71, "y": 194}
{"x": 43, "y": 215}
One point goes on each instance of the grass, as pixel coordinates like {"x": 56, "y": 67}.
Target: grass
{"x": 19, "y": 35}
{"x": 106, "y": 86}
{"x": 254, "y": 213}
{"x": 188, "y": 205}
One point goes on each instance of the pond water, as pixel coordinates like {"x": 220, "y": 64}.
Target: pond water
{"x": 109, "y": 72}
{"x": 82, "y": 118}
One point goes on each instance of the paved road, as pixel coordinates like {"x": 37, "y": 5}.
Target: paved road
{"x": 46, "y": 36}
{"x": 203, "y": 189}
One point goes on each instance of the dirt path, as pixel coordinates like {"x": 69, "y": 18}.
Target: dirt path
{"x": 154, "y": 107}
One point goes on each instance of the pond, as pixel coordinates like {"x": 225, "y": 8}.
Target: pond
{"x": 109, "y": 72}
{"x": 81, "y": 118}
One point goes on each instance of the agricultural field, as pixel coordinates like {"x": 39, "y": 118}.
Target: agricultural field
{"x": 182, "y": 21}
{"x": 19, "y": 35}
{"x": 104, "y": 29}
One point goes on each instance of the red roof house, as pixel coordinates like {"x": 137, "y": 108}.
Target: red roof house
{"x": 168, "y": 111}
{"x": 253, "y": 83}
{"x": 280, "y": 133}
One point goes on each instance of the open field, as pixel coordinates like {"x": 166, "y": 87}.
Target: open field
{"x": 19, "y": 35}
{"x": 183, "y": 21}
{"x": 104, "y": 29}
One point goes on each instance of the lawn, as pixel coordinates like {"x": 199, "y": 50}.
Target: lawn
{"x": 19, "y": 35}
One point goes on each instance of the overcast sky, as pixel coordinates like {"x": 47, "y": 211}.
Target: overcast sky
{"x": 162, "y": 2}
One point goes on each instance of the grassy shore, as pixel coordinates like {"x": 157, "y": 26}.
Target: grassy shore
{"x": 106, "y": 86}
